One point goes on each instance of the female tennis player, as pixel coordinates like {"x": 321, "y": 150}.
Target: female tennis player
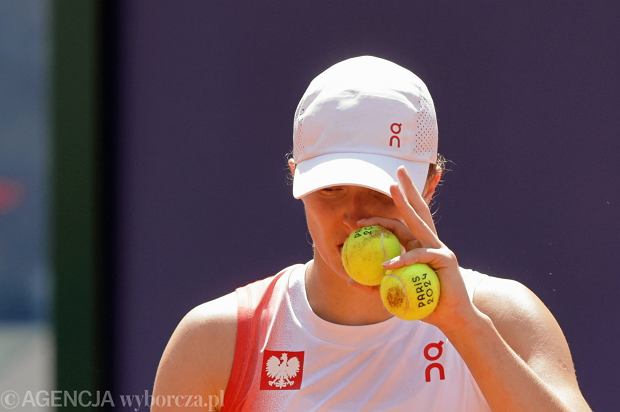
{"x": 309, "y": 338}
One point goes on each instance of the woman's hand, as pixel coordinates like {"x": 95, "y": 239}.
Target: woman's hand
{"x": 416, "y": 232}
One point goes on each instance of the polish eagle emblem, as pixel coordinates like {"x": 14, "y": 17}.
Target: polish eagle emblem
{"x": 282, "y": 370}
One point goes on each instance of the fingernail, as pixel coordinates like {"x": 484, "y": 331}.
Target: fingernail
{"x": 390, "y": 262}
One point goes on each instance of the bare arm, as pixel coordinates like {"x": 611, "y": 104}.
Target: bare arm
{"x": 196, "y": 364}
{"x": 517, "y": 352}
{"x": 512, "y": 345}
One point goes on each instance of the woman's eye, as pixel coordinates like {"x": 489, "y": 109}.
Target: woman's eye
{"x": 384, "y": 199}
{"x": 333, "y": 189}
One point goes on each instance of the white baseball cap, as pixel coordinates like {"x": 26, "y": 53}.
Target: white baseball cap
{"x": 357, "y": 122}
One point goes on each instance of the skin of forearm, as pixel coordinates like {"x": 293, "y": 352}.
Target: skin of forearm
{"x": 506, "y": 381}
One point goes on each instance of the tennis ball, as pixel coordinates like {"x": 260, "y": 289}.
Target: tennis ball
{"x": 365, "y": 250}
{"x": 411, "y": 292}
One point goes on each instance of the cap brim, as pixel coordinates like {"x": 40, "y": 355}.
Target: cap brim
{"x": 373, "y": 171}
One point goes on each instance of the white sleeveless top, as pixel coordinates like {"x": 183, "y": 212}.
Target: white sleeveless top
{"x": 289, "y": 359}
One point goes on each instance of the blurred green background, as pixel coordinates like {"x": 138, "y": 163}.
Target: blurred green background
{"x": 49, "y": 124}
{"x": 26, "y": 341}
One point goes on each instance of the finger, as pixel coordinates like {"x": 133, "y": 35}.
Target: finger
{"x": 420, "y": 255}
{"x": 418, "y": 227}
{"x": 414, "y": 197}
{"x": 397, "y": 227}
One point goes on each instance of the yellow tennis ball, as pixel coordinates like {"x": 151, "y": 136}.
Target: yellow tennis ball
{"x": 364, "y": 252}
{"x": 411, "y": 292}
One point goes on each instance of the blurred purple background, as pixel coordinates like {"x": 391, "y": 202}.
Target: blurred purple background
{"x": 526, "y": 95}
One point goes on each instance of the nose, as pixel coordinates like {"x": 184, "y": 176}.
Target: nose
{"x": 357, "y": 207}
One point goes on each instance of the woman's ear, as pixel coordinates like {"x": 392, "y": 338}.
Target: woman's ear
{"x": 291, "y": 166}
{"x": 431, "y": 186}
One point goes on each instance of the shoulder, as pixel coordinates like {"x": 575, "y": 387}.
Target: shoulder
{"x": 509, "y": 303}
{"x": 514, "y": 309}
{"x": 199, "y": 355}
{"x": 530, "y": 329}
{"x": 499, "y": 297}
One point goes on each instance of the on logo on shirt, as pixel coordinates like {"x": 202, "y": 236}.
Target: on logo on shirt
{"x": 434, "y": 358}
{"x": 281, "y": 370}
